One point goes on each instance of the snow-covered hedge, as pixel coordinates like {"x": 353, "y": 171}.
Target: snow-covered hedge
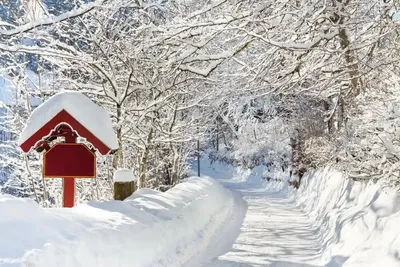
{"x": 148, "y": 229}
{"x": 359, "y": 222}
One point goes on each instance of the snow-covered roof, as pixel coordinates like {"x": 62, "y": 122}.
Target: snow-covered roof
{"x": 93, "y": 117}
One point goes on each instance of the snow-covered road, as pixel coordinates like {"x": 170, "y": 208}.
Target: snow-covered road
{"x": 329, "y": 221}
{"x": 273, "y": 232}
{"x": 267, "y": 228}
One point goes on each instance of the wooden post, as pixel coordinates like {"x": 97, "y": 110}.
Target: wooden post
{"x": 124, "y": 184}
{"x": 198, "y": 157}
{"x": 122, "y": 190}
{"x": 69, "y": 192}
{"x": 217, "y": 137}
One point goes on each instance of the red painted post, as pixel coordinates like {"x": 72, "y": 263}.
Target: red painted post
{"x": 69, "y": 192}
{"x": 69, "y": 183}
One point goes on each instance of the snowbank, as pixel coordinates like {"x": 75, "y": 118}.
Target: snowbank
{"x": 359, "y": 222}
{"x": 147, "y": 229}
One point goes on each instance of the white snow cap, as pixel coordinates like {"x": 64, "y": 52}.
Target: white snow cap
{"x": 124, "y": 175}
{"x": 85, "y": 111}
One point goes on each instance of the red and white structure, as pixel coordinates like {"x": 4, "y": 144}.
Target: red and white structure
{"x": 54, "y": 128}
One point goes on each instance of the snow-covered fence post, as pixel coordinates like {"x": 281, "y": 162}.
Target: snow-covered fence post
{"x": 124, "y": 184}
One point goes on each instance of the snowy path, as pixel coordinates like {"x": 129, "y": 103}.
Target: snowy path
{"x": 270, "y": 231}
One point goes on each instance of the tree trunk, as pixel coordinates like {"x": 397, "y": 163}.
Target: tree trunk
{"x": 144, "y": 160}
{"x": 175, "y": 167}
{"x": 330, "y": 118}
{"x": 351, "y": 62}
{"x": 119, "y": 156}
{"x": 340, "y": 112}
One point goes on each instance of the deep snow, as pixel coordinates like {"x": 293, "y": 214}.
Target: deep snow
{"x": 358, "y": 222}
{"x": 329, "y": 221}
{"x": 148, "y": 229}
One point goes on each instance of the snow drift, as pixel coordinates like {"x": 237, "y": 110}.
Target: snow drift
{"x": 148, "y": 229}
{"x": 359, "y": 222}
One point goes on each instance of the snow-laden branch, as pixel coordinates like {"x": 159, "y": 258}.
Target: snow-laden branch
{"x": 199, "y": 58}
{"x": 36, "y": 50}
{"x": 207, "y": 8}
{"x": 51, "y": 20}
{"x": 294, "y": 46}
{"x": 202, "y": 71}
{"x": 216, "y": 61}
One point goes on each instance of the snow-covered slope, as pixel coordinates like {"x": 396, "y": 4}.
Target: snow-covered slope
{"x": 359, "y": 223}
{"x": 148, "y": 229}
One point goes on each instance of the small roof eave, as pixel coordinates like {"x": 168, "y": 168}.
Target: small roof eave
{"x": 92, "y": 121}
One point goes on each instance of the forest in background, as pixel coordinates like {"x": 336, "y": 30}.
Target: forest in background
{"x": 291, "y": 84}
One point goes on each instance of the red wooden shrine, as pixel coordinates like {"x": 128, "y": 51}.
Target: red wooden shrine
{"x": 66, "y": 159}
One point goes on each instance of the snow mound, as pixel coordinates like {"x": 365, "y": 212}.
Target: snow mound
{"x": 79, "y": 106}
{"x": 358, "y": 221}
{"x": 124, "y": 175}
{"x": 149, "y": 228}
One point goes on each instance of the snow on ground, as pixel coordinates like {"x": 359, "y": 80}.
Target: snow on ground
{"x": 273, "y": 230}
{"x": 148, "y": 229}
{"x": 358, "y": 222}
{"x": 330, "y": 221}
